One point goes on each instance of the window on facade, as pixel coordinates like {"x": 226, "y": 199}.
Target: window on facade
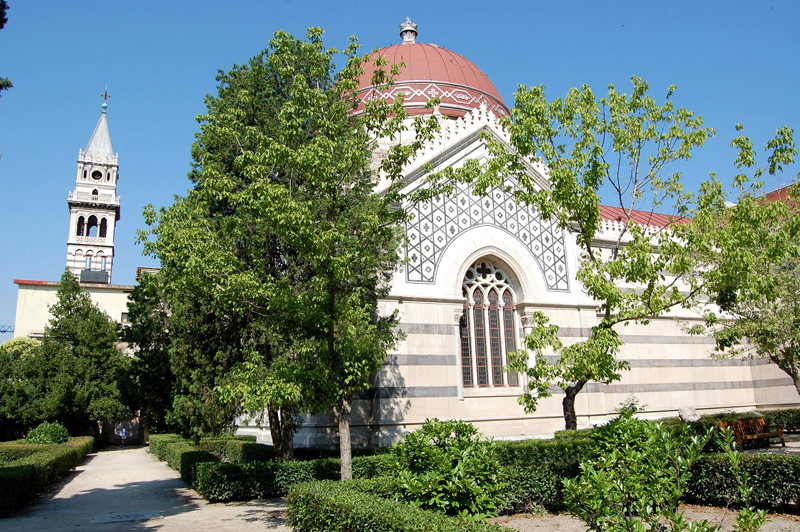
{"x": 488, "y": 327}
{"x": 103, "y": 264}
{"x": 88, "y": 265}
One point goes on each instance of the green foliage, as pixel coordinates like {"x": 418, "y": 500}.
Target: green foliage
{"x": 750, "y": 258}
{"x": 30, "y": 468}
{"x": 445, "y": 465}
{"x": 788, "y": 418}
{"x": 184, "y": 457}
{"x": 774, "y": 479}
{"x": 48, "y": 433}
{"x": 533, "y": 471}
{"x": 618, "y": 147}
{"x": 635, "y": 477}
{"x": 238, "y": 452}
{"x": 159, "y": 442}
{"x": 338, "y": 507}
{"x": 219, "y": 481}
{"x": 148, "y": 381}
{"x": 22, "y": 385}
{"x": 80, "y": 361}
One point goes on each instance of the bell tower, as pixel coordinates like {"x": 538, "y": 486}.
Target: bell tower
{"x": 94, "y": 207}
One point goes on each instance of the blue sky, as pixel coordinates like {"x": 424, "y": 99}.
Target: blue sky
{"x": 732, "y": 61}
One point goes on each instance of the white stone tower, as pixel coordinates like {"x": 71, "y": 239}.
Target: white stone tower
{"x": 94, "y": 208}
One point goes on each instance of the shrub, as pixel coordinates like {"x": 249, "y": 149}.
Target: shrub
{"x": 48, "y": 433}
{"x": 533, "y": 470}
{"x": 445, "y": 465}
{"x": 774, "y": 479}
{"x": 159, "y": 442}
{"x": 184, "y": 457}
{"x": 635, "y": 475}
{"x": 219, "y": 481}
{"x": 336, "y": 506}
{"x": 239, "y": 451}
{"x": 788, "y": 418}
{"x": 23, "y": 477}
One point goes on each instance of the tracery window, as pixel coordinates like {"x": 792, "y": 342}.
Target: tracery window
{"x": 488, "y": 327}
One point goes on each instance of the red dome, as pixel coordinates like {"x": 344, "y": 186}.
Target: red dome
{"x": 434, "y": 71}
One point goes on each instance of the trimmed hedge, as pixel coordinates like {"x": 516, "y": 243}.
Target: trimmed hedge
{"x": 534, "y": 469}
{"x": 240, "y": 452}
{"x": 184, "y": 458}
{"x": 788, "y": 418}
{"x": 336, "y": 506}
{"x": 22, "y": 478}
{"x": 774, "y": 478}
{"x": 159, "y": 442}
{"x": 218, "y": 481}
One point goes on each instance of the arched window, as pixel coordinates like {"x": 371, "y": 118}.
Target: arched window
{"x": 103, "y": 227}
{"x": 95, "y": 192}
{"x": 91, "y": 226}
{"x": 88, "y": 265}
{"x": 488, "y": 329}
{"x": 79, "y": 231}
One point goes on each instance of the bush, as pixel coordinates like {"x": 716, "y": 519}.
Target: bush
{"x": 788, "y": 418}
{"x": 184, "y": 457}
{"x": 23, "y": 477}
{"x": 774, "y": 479}
{"x": 238, "y": 452}
{"x": 710, "y": 422}
{"x": 159, "y": 442}
{"x": 336, "y": 506}
{"x": 446, "y": 466}
{"x": 219, "y": 481}
{"x": 47, "y": 433}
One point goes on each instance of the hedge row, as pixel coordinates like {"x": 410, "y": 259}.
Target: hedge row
{"x": 534, "y": 469}
{"x": 788, "y": 418}
{"x": 337, "y": 506}
{"x": 219, "y": 481}
{"x": 36, "y": 467}
{"x": 775, "y": 480}
{"x": 238, "y": 449}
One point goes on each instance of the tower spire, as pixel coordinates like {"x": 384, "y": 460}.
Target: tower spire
{"x": 94, "y": 207}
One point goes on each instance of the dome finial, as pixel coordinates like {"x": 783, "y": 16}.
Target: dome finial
{"x": 105, "y": 97}
{"x": 408, "y": 31}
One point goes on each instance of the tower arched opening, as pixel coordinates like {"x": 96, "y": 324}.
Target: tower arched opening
{"x": 103, "y": 228}
{"x": 81, "y": 227}
{"x": 91, "y": 226}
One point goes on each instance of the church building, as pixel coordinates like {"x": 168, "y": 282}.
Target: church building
{"x": 478, "y": 267}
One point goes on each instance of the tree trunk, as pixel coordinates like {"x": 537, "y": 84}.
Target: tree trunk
{"x": 287, "y": 435}
{"x": 342, "y": 415}
{"x": 275, "y": 431}
{"x": 568, "y": 403}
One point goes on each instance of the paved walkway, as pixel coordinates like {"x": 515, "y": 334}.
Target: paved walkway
{"x": 131, "y": 490}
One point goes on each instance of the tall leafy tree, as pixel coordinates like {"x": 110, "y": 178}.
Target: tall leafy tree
{"x": 276, "y": 258}
{"x": 84, "y": 363}
{"x": 20, "y": 386}
{"x": 5, "y": 83}
{"x": 618, "y": 147}
{"x": 750, "y": 252}
{"x": 148, "y": 380}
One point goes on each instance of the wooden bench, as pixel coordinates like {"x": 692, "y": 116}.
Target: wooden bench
{"x": 753, "y": 429}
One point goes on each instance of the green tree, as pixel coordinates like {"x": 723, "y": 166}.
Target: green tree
{"x": 5, "y": 83}
{"x": 19, "y": 386}
{"x": 80, "y": 344}
{"x": 275, "y": 260}
{"x": 148, "y": 380}
{"x": 618, "y": 147}
{"x": 750, "y": 256}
